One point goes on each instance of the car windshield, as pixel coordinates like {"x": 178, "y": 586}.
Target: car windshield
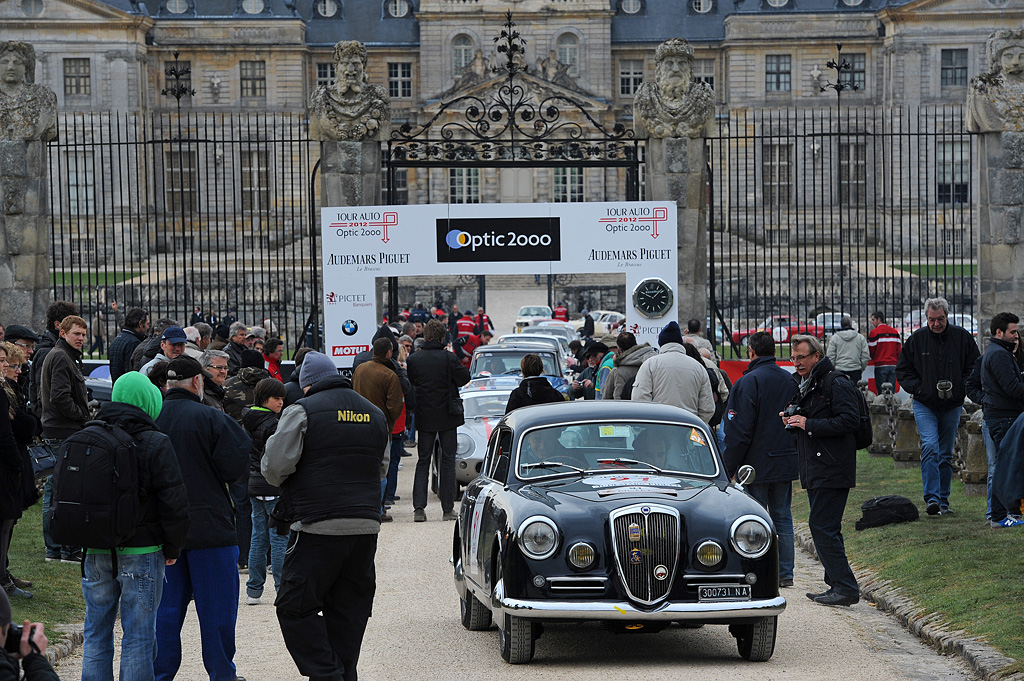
{"x": 489, "y": 404}
{"x": 534, "y": 311}
{"x": 508, "y": 362}
{"x": 615, "y": 445}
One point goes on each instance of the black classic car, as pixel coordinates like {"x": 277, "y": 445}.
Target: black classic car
{"x": 612, "y": 512}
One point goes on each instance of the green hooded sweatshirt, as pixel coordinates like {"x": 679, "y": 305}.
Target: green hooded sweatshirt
{"x": 135, "y": 389}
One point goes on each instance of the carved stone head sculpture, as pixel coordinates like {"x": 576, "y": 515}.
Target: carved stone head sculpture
{"x": 674, "y": 105}
{"x": 27, "y": 111}
{"x": 351, "y": 109}
{"x": 995, "y": 100}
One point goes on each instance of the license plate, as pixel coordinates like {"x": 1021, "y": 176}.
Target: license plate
{"x": 730, "y": 592}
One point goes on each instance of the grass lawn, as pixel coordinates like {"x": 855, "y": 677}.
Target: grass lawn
{"x": 57, "y": 587}
{"x": 952, "y": 565}
{"x": 90, "y": 278}
{"x": 940, "y": 270}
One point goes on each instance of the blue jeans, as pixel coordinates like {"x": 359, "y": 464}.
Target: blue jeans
{"x": 397, "y": 448}
{"x": 211, "y": 577}
{"x": 243, "y": 517}
{"x": 52, "y": 548}
{"x": 410, "y": 431}
{"x": 994, "y": 431}
{"x": 136, "y": 588}
{"x": 777, "y": 497}
{"x": 885, "y": 373}
{"x": 262, "y": 536}
{"x": 938, "y": 434}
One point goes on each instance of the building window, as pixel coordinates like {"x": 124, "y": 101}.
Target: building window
{"x": 853, "y": 173}
{"x": 400, "y": 194}
{"x": 176, "y": 6}
{"x": 857, "y": 74}
{"x": 252, "y": 6}
{"x": 77, "y": 78}
{"x": 325, "y": 74}
{"x": 181, "y": 181}
{"x": 185, "y": 81}
{"x": 777, "y": 73}
{"x": 776, "y": 173}
{"x": 81, "y": 183}
{"x": 255, "y": 180}
{"x": 631, "y": 74}
{"x": 398, "y": 8}
{"x": 953, "y": 243}
{"x": 462, "y": 53}
{"x": 704, "y": 71}
{"x": 83, "y": 251}
{"x": 569, "y": 52}
{"x": 463, "y": 185}
{"x": 32, "y": 8}
{"x": 253, "y": 78}
{"x": 702, "y": 6}
{"x": 852, "y": 3}
{"x": 631, "y": 6}
{"x": 327, "y": 8}
{"x": 953, "y": 172}
{"x": 400, "y": 80}
{"x": 954, "y": 68}
{"x": 568, "y": 185}
{"x": 777, "y": 3}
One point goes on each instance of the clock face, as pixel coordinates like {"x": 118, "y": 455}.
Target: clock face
{"x": 653, "y": 298}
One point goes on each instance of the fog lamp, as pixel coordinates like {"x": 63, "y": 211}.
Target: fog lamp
{"x": 581, "y": 555}
{"x": 710, "y": 554}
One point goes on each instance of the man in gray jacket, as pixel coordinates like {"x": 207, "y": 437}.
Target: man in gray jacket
{"x": 672, "y": 377}
{"x": 848, "y": 351}
{"x": 627, "y": 364}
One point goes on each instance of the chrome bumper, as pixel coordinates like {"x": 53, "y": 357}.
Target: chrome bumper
{"x": 624, "y": 610}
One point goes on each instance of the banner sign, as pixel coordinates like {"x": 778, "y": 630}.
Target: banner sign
{"x": 365, "y": 242}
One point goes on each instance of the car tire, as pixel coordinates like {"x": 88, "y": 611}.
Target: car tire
{"x": 756, "y": 642}
{"x": 516, "y": 640}
{"x": 475, "y": 615}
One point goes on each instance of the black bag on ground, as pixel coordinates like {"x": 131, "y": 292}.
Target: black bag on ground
{"x": 96, "y": 500}
{"x": 878, "y": 511}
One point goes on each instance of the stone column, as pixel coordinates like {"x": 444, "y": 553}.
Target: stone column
{"x": 28, "y": 120}
{"x": 675, "y": 111}
{"x": 995, "y": 108}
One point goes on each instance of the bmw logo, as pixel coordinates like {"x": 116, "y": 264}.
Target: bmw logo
{"x": 350, "y": 327}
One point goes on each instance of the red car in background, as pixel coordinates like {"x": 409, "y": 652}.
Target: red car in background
{"x": 782, "y": 327}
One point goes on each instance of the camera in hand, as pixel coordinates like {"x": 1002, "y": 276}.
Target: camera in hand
{"x": 792, "y": 410}
{"x": 13, "y": 643}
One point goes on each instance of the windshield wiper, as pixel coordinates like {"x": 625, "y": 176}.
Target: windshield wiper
{"x": 618, "y": 461}
{"x": 549, "y": 464}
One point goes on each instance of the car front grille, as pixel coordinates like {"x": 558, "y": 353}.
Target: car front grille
{"x": 645, "y": 539}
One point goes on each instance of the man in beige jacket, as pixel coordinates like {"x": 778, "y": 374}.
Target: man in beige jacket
{"x": 671, "y": 377}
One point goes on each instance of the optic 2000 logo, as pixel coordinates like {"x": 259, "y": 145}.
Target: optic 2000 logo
{"x": 498, "y": 239}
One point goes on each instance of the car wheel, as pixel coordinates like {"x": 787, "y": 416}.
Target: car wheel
{"x": 475, "y": 615}
{"x": 516, "y": 640}
{"x": 756, "y": 642}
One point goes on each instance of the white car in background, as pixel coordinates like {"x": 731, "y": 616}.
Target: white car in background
{"x": 557, "y": 342}
{"x": 529, "y": 314}
{"x": 604, "y": 321}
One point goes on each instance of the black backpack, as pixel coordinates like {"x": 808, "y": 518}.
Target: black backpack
{"x": 886, "y": 510}
{"x": 96, "y": 502}
{"x": 627, "y": 389}
{"x": 862, "y": 436}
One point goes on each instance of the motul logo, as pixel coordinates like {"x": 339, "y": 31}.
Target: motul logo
{"x": 348, "y": 350}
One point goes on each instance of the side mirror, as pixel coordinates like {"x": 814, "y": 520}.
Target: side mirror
{"x": 745, "y": 475}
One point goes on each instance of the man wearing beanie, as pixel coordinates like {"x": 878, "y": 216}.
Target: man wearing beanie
{"x": 32, "y": 651}
{"x": 135, "y": 583}
{"x": 671, "y": 377}
{"x": 212, "y": 451}
{"x": 330, "y": 493}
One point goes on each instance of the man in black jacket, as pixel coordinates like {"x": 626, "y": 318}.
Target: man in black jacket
{"x": 436, "y": 376}
{"x": 31, "y": 653}
{"x": 933, "y": 367}
{"x": 828, "y": 413}
{"x": 212, "y": 451}
{"x": 136, "y": 326}
{"x": 55, "y": 314}
{"x": 135, "y": 581}
{"x": 330, "y": 491}
{"x": 754, "y": 436}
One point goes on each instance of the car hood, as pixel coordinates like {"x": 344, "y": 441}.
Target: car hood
{"x": 621, "y": 485}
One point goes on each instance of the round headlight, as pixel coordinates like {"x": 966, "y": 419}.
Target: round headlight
{"x": 751, "y": 536}
{"x": 581, "y": 555}
{"x": 464, "y": 445}
{"x": 710, "y": 554}
{"x": 538, "y": 537}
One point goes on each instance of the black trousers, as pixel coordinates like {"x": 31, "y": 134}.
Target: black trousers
{"x": 335, "y": 576}
{"x": 825, "y": 521}
{"x": 445, "y": 472}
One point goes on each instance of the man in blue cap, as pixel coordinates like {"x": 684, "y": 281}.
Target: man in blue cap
{"x": 172, "y": 344}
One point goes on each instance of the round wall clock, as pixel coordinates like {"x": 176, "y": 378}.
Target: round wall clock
{"x": 653, "y": 298}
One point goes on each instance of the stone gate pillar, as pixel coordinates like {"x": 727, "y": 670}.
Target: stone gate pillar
{"x": 28, "y": 120}
{"x": 676, "y": 111}
{"x": 995, "y": 108}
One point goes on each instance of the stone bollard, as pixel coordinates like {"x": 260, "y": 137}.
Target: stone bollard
{"x": 881, "y": 426}
{"x": 906, "y": 451}
{"x": 975, "y": 468}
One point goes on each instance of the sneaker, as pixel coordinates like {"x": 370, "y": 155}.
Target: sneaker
{"x": 15, "y": 592}
{"x": 394, "y": 499}
{"x": 386, "y": 517}
{"x": 409, "y": 443}
{"x": 20, "y": 583}
{"x": 933, "y": 508}
{"x": 785, "y": 583}
{"x": 50, "y": 557}
{"x": 946, "y": 510}
{"x": 450, "y": 515}
{"x": 252, "y": 600}
{"x": 419, "y": 516}
{"x": 1006, "y": 522}
{"x": 73, "y": 557}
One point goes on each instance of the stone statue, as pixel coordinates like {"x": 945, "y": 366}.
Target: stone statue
{"x": 351, "y": 109}
{"x": 472, "y": 73}
{"x": 674, "y": 105}
{"x": 995, "y": 101}
{"x": 554, "y": 71}
{"x": 27, "y": 111}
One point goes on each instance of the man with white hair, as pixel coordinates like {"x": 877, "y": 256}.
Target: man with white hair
{"x": 933, "y": 367}
{"x": 236, "y": 345}
{"x": 192, "y": 348}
